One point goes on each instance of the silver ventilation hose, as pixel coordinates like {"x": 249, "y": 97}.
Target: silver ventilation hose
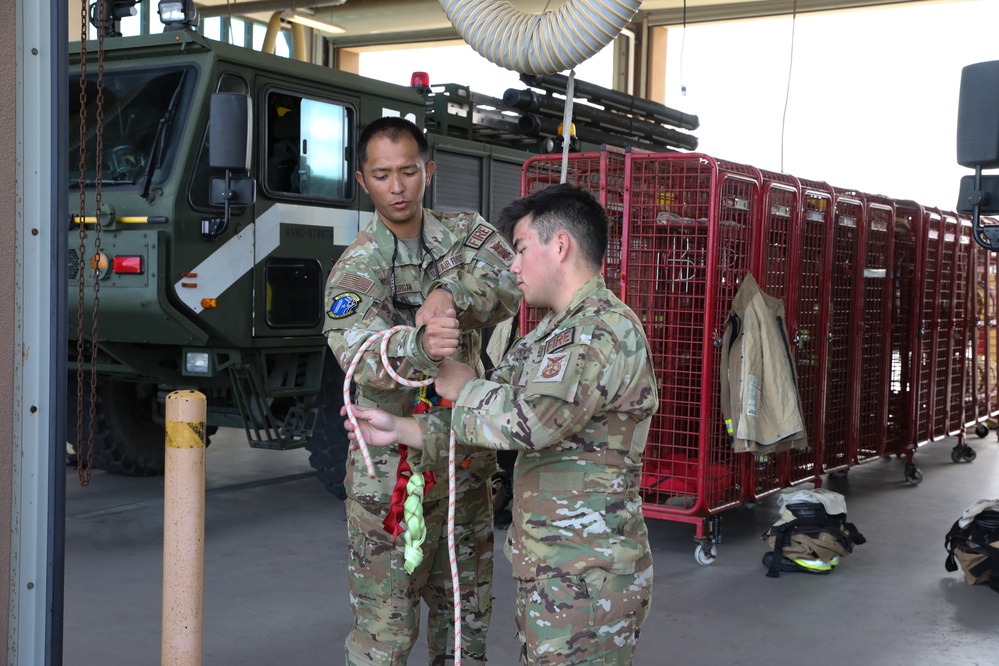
{"x": 539, "y": 43}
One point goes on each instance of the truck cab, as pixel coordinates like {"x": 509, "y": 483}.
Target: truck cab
{"x": 208, "y": 273}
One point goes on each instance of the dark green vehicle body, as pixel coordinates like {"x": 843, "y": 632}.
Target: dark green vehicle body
{"x": 234, "y": 310}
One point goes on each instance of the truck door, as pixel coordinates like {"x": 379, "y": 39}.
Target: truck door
{"x": 307, "y": 214}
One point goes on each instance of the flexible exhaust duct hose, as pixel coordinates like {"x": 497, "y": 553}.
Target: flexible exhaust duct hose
{"x": 539, "y": 43}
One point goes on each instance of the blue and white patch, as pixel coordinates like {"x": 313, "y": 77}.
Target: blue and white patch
{"x": 344, "y": 305}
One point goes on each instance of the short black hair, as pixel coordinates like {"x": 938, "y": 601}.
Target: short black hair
{"x": 562, "y": 207}
{"x": 393, "y": 128}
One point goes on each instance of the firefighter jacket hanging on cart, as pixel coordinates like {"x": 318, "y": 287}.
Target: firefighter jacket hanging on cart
{"x": 759, "y": 390}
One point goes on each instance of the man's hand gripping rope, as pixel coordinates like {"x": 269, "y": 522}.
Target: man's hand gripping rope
{"x": 416, "y": 529}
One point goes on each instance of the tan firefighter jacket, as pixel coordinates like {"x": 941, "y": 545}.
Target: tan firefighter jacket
{"x": 759, "y": 390}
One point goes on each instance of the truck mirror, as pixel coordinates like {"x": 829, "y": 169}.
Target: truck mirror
{"x": 978, "y": 148}
{"x": 229, "y": 127}
{"x": 978, "y": 116}
{"x": 229, "y": 144}
{"x": 237, "y": 192}
{"x": 985, "y": 197}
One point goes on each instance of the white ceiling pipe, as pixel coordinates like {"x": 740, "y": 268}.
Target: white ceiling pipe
{"x": 539, "y": 43}
{"x": 260, "y": 6}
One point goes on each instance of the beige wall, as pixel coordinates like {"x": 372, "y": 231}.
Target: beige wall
{"x": 8, "y": 213}
{"x": 656, "y": 64}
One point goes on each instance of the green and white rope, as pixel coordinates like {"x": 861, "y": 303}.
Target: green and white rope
{"x": 416, "y": 531}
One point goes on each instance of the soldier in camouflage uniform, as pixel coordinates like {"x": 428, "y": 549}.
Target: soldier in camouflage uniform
{"x": 576, "y": 397}
{"x": 410, "y": 266}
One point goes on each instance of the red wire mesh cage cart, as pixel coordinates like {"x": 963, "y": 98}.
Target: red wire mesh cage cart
{"x": 687, "y": 243}
{"x": 982, "y": 404}
{"x": 882, "y": 323}
{"x": 602, "y": 174}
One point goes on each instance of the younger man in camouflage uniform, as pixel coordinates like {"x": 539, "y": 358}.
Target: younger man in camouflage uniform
{"x": 576, "y": 397}
{"x": 410, "y": 266}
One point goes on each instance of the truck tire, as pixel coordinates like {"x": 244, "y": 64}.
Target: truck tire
{"x": 328, "y": 444}
{"x": 127, "y": 440}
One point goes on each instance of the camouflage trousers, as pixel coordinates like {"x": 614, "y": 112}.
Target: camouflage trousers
{"x": 592, "y": 618}
{"x": 386, "y": 600}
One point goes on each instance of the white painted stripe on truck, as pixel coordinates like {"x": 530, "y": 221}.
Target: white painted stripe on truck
{"x": 238, "y": 255}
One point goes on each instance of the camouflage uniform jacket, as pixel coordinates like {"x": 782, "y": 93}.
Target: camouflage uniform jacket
{"x": 472, "y": 261}
{"x": 576, "y": 397}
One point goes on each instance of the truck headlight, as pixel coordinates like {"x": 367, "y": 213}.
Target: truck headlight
{"x": 196, "y": 363}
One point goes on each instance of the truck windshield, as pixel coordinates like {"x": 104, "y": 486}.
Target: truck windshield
{"x": 142, "y": 111}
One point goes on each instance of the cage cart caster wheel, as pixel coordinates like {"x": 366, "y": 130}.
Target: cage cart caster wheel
{"x": 962, "y": 454}
{"x": 705, "y": 554}
{"x": 912, "y": 475}
{"x": 981, "y": 430}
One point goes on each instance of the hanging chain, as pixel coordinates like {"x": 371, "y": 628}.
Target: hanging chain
{"x": 85, "y": 463}
{"x": 98, "y": 183}
{"x": 82, "y": 468}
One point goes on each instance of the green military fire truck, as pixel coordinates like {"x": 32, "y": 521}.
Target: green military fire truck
{"x": 226, "y": 190}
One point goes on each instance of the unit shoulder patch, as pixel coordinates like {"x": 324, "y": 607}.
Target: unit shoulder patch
{"x": 479, "y": 235}
{"x": 552, "y": 368}
{"x": 344, "y": 305}
{"x": 502, "y": 250}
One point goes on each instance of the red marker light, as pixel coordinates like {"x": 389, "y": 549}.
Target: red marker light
{"x": 127, "y": 264}
{"x": 419, "y": 80}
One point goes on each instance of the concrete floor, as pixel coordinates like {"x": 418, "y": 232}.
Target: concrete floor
{"x": 275, "y": 574}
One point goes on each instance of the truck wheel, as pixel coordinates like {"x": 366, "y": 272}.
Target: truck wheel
{"x": 127, "y": 440}
{"x": 327, "y": 446}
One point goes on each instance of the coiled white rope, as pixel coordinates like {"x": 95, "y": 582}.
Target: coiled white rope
{"x": 452, "y": 555}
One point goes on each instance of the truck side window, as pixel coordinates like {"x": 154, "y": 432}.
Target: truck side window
{"x": 306, "y": 143}
{"x": 294, "y": 292}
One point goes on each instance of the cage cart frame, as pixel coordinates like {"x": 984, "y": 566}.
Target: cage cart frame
{"x": 880, "y": 316}
{"x": 688, "y": 238}
{"x": 982, "y": 403}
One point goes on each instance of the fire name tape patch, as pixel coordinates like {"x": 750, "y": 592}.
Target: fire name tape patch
{"x": 559, "y": 339}
{"x": 479, "y": 235}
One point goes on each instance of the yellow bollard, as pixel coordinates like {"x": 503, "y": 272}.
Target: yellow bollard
{"x": 184, "y": 529}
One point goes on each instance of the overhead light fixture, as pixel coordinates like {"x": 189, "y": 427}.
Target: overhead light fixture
{"x": 310, "y": 21}
{"x": 178, "y": 14}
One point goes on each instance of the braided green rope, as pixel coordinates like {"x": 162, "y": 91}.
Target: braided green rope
{"x": 416, "y": 527}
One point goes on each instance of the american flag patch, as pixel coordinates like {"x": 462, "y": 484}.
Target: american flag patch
{"x": 355, "y": 282}
{"x": 478, "y": 236}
